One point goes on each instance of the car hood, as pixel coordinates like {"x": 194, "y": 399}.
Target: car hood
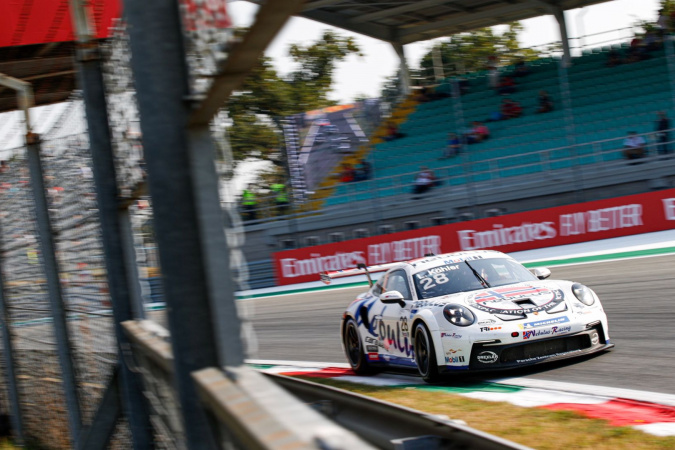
{"x": 516, "y": 300}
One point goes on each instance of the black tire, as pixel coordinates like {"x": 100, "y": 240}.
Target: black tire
{"x": 354, "y": 349}
{"x": 425, "y": 354}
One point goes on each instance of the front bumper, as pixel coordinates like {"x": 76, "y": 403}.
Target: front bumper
{"x": 504, "y": 356}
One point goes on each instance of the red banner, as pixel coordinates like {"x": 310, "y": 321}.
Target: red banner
{"x": 27, "y": 22}
{"x": 583, "y": 222}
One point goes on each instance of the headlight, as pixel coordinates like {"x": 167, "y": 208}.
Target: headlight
{"x": 584, "y": 294}
{"x": 459, "y": 315}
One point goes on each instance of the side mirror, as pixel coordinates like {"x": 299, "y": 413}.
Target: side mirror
{"x": 392, "y": 297}
{"x": 541, "y": 272}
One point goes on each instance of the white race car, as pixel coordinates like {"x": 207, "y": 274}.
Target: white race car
{"x": 479, "y": 310}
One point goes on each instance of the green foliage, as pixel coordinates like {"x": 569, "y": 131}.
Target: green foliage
{"x": 266, "y": 96}
{"x": 470, "y": 52}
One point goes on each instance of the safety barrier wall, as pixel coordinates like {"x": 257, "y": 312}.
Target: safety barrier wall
{"x": 582, "y": 222}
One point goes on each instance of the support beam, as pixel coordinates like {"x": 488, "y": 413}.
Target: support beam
{"x": 405, "y": 73}
{"x": 10, "y": 365}
{"x": 381, "y": 32}
{"x": 51, "y": 269}
{"x": 388, "y": 12}
{"x": 47, "y": 248}
{"x": 559, "y": 15}
{"x": 161, "y": 80}
{"x": 407, "y": 33}
{"x": 97, "y": 435}
{"x": 270, "y": 18}
{"x": 121, "y": 282}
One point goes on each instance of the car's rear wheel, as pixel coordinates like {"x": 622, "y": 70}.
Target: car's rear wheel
{"x": 354, "y": 349}
{"x": 425, "y": 354}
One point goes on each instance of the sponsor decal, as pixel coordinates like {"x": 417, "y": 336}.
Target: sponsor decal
{"x": 452, "y": 351}
{"x": 595, "y": 339}
{"x": 669, "y": 208}
{"x": 482, "y": 329}
{"x": 487, "y": 322}
{"x": 404, "y": 326}
{"x": 502, "y": 300}
{"x": 539, "y": 358}
{"x": 543, "y": 323}
{"x": 527, "y": 334}
{"x": 570, "y": 224}
{"x": 605, "y": 219}
{"x": 403, "y": 250}
{"x": 451, "y": 335}
{"x": 500, "y": 235}
{"x": 487, "y": 357}
{"x": 374, "y": 356}
{"x": 316, "y": 263}
{"x": 371, "y": 348}
{"x": 394, "y": 339}
{"x": 454, "y": 359}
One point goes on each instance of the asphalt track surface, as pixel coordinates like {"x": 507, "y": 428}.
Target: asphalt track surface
{"x": 637, "y": 294}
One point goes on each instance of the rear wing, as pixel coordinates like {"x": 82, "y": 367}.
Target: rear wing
{"x": 361, "y": 269}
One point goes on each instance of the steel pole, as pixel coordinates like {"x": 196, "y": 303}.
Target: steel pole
{"x": 161, "y": 79}
{"x": 51, "y": 268}
{"x": 120, "y": 280}
{"x": 10, "y": 364}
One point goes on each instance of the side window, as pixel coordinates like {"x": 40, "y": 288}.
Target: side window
{"x": 397, "y": 281}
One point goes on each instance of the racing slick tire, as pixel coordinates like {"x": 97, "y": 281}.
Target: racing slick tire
{"x": 354, "y": 349}
{"x": 425, "y": 354}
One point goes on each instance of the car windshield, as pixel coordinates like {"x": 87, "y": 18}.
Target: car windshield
{"x": 469, "y": 276}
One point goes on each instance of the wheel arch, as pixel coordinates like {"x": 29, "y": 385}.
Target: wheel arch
{"x": 427, "y": 318}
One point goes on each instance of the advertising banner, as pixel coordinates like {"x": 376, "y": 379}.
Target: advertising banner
{"x": 45, "y": 21}
{"x": 571, "y": 224}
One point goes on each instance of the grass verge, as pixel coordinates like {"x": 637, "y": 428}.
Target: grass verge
{"x": 533, "y": 427}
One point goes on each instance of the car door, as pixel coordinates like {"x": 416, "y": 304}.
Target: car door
{"x": 393, "y": 325}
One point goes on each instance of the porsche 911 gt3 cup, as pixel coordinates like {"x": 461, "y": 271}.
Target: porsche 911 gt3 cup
{"x": 479, "y": 310}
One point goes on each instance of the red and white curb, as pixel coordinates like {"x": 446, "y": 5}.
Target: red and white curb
{"x": 650, "y": 412}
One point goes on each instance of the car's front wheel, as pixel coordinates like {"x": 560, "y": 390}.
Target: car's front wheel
{"x": 354, "y": 349}
{"x": 425, "y": 354}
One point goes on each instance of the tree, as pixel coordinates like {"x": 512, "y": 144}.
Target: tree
{"x": 469, "y": 52}
{"x": 257, "y": 109}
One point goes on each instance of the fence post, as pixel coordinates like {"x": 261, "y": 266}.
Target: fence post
{"x": 105, "y": 179}
{"x": 54, "y": 286}
{"x": 175, "y": 155}
{"x": 44, "y": 229}
{"x": 12, "y": 385}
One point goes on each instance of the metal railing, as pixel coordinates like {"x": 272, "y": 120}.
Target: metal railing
{"x": 596, "y": 156}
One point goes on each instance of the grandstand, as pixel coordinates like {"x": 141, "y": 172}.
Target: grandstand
{"x": 607, "y": 103}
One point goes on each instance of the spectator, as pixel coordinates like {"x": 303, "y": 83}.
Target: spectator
{"x": 478, "y": 133}
{"x": 545, "y": 102}
{"x": 637, "y": 51}
{"x": 511, "y": 109}
{"x": 347, "y": 174}
{"x": 454, "y": 146}
{"x": 482, "y": 131}
{"x": 280, "y": 198}
{"x": 250, "y": 203}
{"x": 392, "y": 132}
{"x": 424, "y": 180}
{"x": 362, "y": 171}
{"x": 521, "y": 69}
{"x": 663, "y": 133}
{"x": 506, "y": 86}
{"x": 634, "y": 146}
{"x": 4, "y": 167}
{"x": 613, "y": 58}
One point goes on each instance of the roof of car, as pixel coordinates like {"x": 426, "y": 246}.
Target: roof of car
{"x": 448, "y": 258}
